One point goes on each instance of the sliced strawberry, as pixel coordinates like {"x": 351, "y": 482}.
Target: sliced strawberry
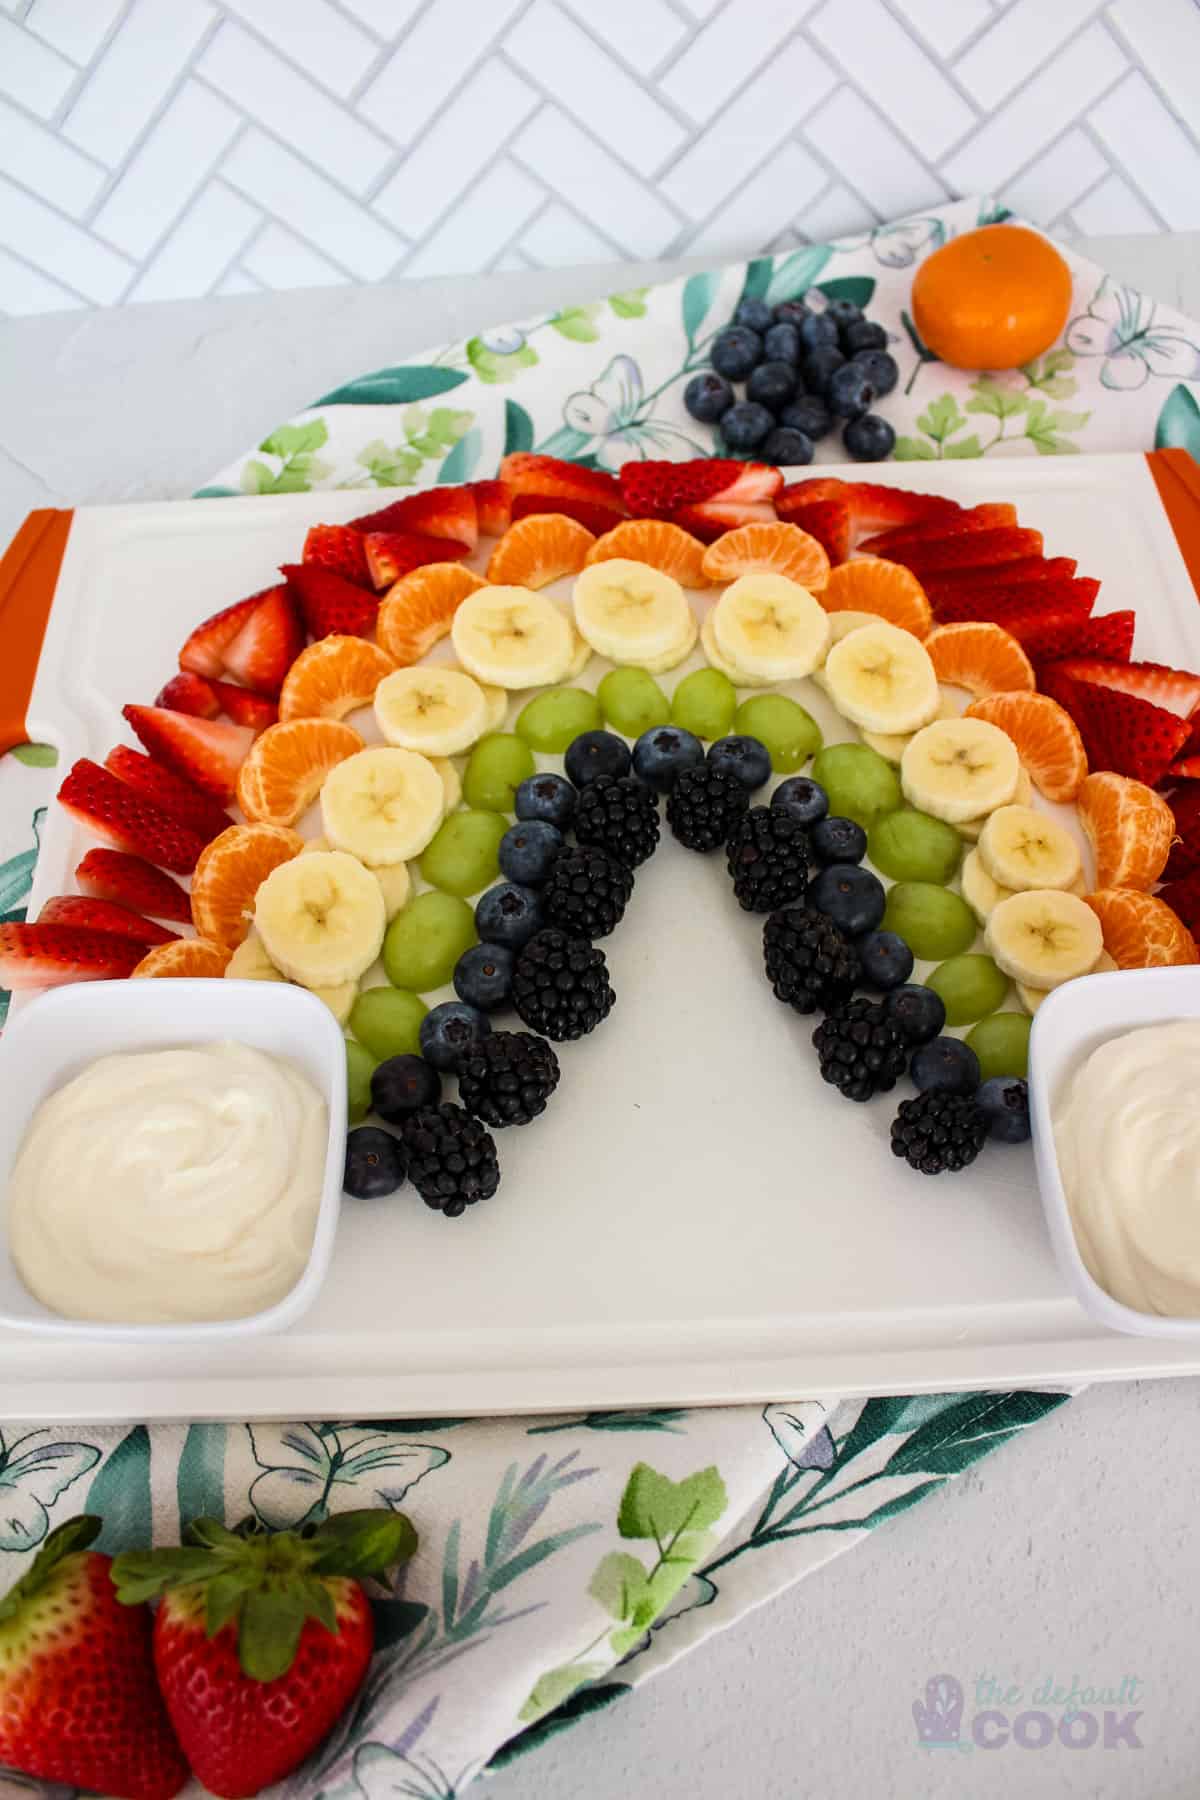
{"x": 1184, "y": 801}
{"x": 188, "y": 693}
{"x": 1111, "y": 636}
{"x": 524, "y": 473}
{"x": 1020, "y": 572}
{"x": 127, "y": 819}
{"x": 873, "y": 507}
{"x": 206, "y": 752}
{"x": 597, "y": 519}
{"x": 1183, "y": 897}
{"x": 269, "y": 642}
{"x": 971, "y": 550}
{"x": 115, "y": 875}
{"x": 1041, "y": 629}
{"x": 328, "y": 604}
{"x": 204, "y": 651}
{"x": 493, "y": 506}
{"x": 46, "y": 956}
{"x": 391, "y": 554}
{"x": 656, "y": 490}
{"x": 243, "y": 707}
{"x": 104, "y": 915}
{"x": 1186, "y": 769}
{"x": 1176, "y": 690}
{"x": 170, "y": 792}
{"x": 1119, "y": 732}
{"x": 340, "y": 548}
{"x": 710, "y": 518}
{"x": 987, "y": 517}
{"x": 826, "y": 520}
{"x": 999, "y": 601}
{"x": 444, "y": 512}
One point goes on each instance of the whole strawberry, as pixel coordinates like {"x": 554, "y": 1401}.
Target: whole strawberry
{"x": 262, "y": 1638}
{"x": 78, "y": 1700}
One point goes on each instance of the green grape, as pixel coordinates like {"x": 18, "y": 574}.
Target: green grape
{"x": 969, "y": 987}
{"x": 386, "y": 1021}
{"x": 790, "y": 734}
{"x": 360, "y": 1066}
{"x": 553, "y": 719}
{"x": 913, "y": 846}
{"x": 424, "y": 942}
{"x": 860, "y": 784}
{"x": 1001, "y": 1043}
{"x": 704, "y": 704}
{"x": 497, "y": 766}
{"x": 463, "y": 856}
{"x": 632, "y": 701}
{"x": 933, "y": 921}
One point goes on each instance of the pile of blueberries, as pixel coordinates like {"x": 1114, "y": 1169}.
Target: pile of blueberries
{"x": 807, "y": 366}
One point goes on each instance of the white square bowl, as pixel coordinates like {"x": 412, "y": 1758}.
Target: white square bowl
{"x": 64, "y": 1030}
{"x": 1071, "y": 1022}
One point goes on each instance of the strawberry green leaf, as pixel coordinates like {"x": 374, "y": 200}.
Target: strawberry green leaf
{"x": 142, "y": 1574}
{"x": 269, "y": 1634}
{"x": 365, "y": 1542}
{"x": 223, "y": 1598}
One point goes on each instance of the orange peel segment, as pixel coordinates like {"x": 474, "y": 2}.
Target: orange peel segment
{"x": 1140, "y": 931}
{"x": 870, "y": 584}
{"x": 539, "y": 549}
{"x": 283, "y": 773}
{"x": 658, "y": 543}
{"x": 1046, "y": 736}
{"x": 981, "y": 657}
{"x": 1129, "y": 827}
{"x": 230, "y": 872}
{"x": 333, "y": 677}
{"x": 194, "y": 959}
{"x": 776, "y": 549}
{"x": 418, "y": 610}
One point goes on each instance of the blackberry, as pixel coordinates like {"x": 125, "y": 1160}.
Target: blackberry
{"x": 810, "y": 963}
{"x": 561, "y": 986}
{"x": 508, "y": 1078}
{"x": 704, "y": 806}
{"x": 768, "y": 860}
{"x": 939, "y": 1131}
{"x": 862, "y": 1053}
{"x": 451, "y": 1158}
{"x": 619, "y": 815}
{"x": 587, "y": 891}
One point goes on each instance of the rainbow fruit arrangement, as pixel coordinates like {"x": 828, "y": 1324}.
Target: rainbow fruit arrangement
{"x": 972, "y": 665}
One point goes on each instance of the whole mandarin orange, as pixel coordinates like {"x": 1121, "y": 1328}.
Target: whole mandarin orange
{"x": 991, "y": 299}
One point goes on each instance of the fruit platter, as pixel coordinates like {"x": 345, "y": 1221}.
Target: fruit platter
{"x": 684, "y": 854}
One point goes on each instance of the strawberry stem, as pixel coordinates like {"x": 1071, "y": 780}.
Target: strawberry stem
{"x": 65, "y": 1540}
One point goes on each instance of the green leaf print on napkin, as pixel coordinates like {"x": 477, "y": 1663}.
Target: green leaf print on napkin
{"x": 35, "y": 756}
{"x": 796, "y": 273}
{"x": 395, "y": 387}
{"x": 1002, "y": 398}
{"x": 631, "y": 304}
{"x": 426, "y": 435}
{"x": 120, "y": 1495}
{"x": 460, "y": 463}
{"x": 958, "y": 1437}
{"x": 1045, "y": 429}
{"x": 499, "y": 365}
{"x": 576, "y": 323}
{"x": 699, "y": 292}
{"x": 856, "y": 288}
{"x": 518, "y": 428}
{"x": 292, "y": 446}
{"x": 1178, "y": 425}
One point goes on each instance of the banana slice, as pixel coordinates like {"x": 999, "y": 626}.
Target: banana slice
{"x": 496, "y": 698}
{"x": 739, "y": 677}
{"x": 382, "y": 805}
{"x": 322, "y": 924}
{"x": 339, "y": 999}
{"x": 629, "y": 611}
{"x": 1031, "y": 998}
{"x": 1023, "y": 849}
{"x": 882, "y": 678}
{"x": 250, "y": 961}
{"x": 581, "y": 656}
{"x": 956, "y": 770}
{"x": 771, "y": 627}
{"x": 1042, "y": 937}
{"x": 981, "y": 893}
{"x": 512, "y": 637}
{"x": 890, "y": 745}
{"x": 971, "y": 828}
{"x": 670, "y": 659}
{"x": 394, "y": 881}
{"x": 435, "y": 710}
{"x": 450, "y": 778}
{"x": 841, "y": 624}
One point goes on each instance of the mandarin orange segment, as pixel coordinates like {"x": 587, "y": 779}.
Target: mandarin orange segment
{"x": 657, "y": 542}
{"x": 1047, "y": 739}
{"x": 777, "y": 548}
{"x": 283, "y": 773}
{"x": 983, "y": 658}
{"x": 539, "y": 549}
{"x": 1140, "y": 931}
{"x": 871, "y": 584}
{"x": 418, "y": 611}
{"x": 1129, "y": 827}
{"x": 194, "y": 959}
{"x": 333, "y": 677}
{"x": 229, "y": 874}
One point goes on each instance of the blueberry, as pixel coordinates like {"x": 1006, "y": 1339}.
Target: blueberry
{"x": 1005, "y": 1101}
{"x": 508, "y": 915}
{"x": 818, "y": 329}
{"x": 782, "y": 342}
{"x": 917, "y": 1011}
{"x": 852, "y": 897}
{"x": 802, "y": 798}
{"x": 818, "y": 367}
{"x": 403, "y": 1085}
{"x": 707, "y": 396}
{"x": 596, "y": 753}
{"x": 865, "y": 335}
{"x": 483, "y": 976}
{"x": 735, "y": 351}
{"x": 375, "y": 1163}
{"x": 887, "y": 961}
{"x": 850, "y": 391}
{"x": 745, "y": 426}
{"x": 755, "y": 314}
{"x": 838, "y": 840}
{"x": 869, "y": 438}
{"x": 743, "y": 757}
{"x": 883, "y": 371}
{"x": 844, "y": 313}
{"x": 662, "y": 754}
{"x": 772, "y": 384}
{"x": 946, "y": 1066}
{"x": 528, "y": 850}
{"x": 450, "y": 1030}
{"x": 787, "y": 448}
{"x": 790, "y": 312}
{"x": 548, "y": 797}
{"x": 809, "y": 415}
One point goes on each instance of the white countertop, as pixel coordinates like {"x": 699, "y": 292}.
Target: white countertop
{"x": 1071, "y": 1553}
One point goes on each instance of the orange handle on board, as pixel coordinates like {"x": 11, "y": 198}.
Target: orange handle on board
{"x": 1176, "y": 475}
{"x": 28, "y": 577}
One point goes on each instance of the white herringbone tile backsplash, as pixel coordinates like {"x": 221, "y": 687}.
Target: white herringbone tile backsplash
{"x": 163, "y": 149}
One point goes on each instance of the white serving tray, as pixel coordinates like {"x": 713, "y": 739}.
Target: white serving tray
{"x": 697, "y": 1219}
